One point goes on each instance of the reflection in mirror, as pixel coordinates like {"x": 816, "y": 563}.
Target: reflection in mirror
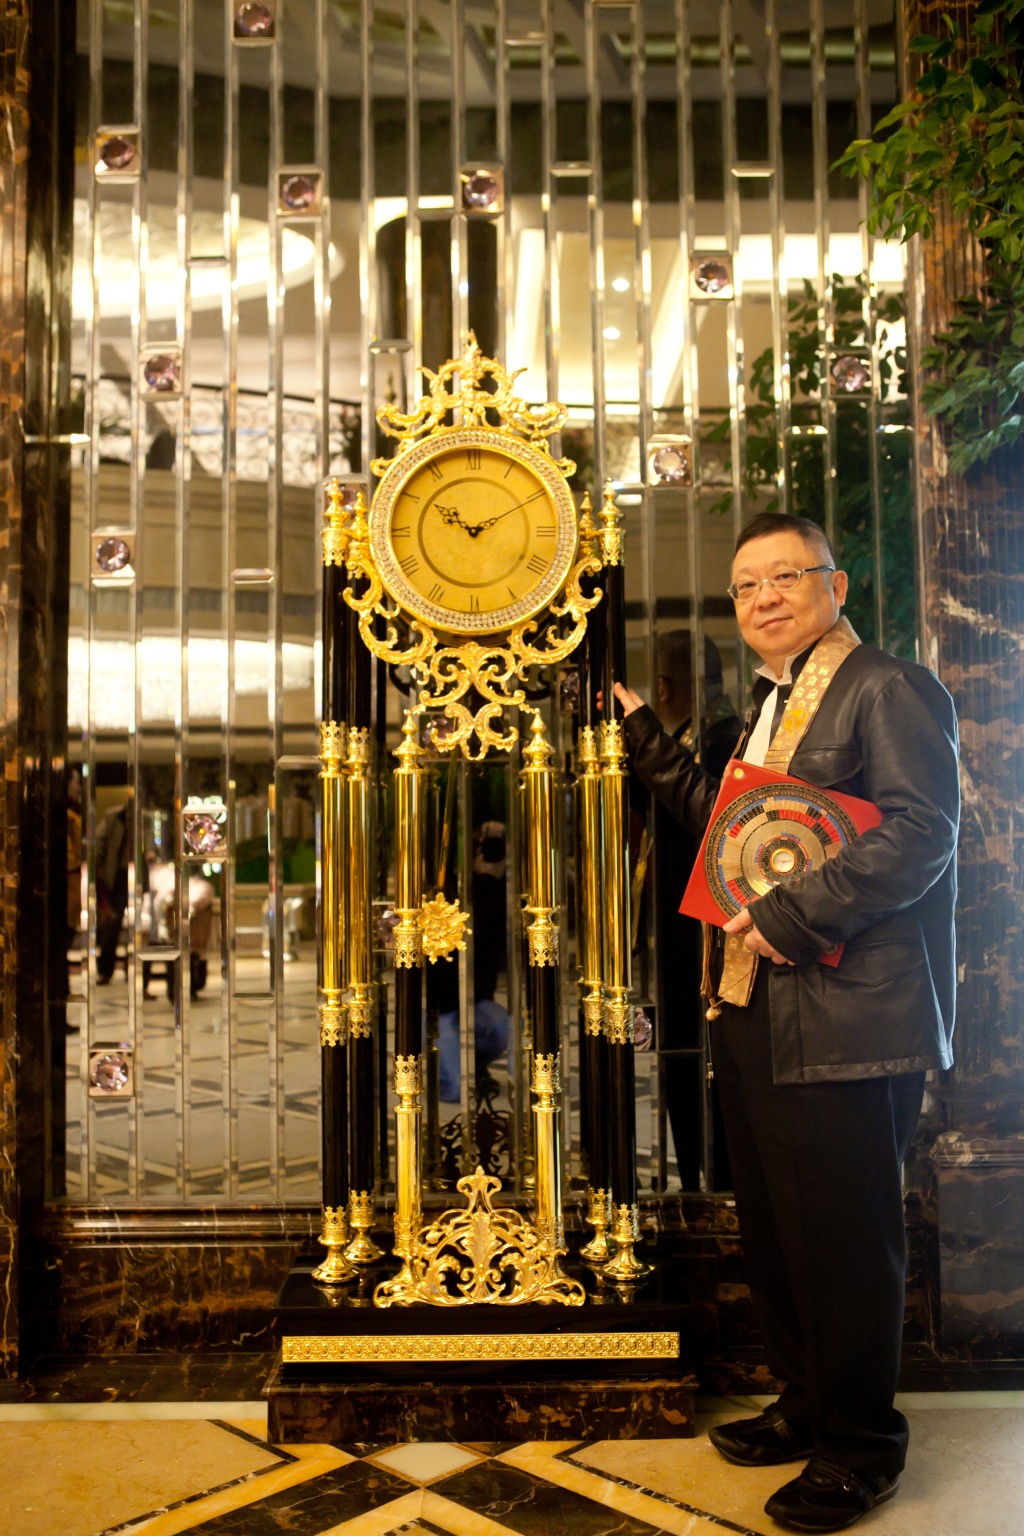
{"x": 635, "y": 206}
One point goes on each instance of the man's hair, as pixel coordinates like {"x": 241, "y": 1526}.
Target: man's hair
{"x": 781, "y": 522}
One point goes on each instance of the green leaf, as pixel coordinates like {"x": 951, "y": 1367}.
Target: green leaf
{"x": 922, "y": 43}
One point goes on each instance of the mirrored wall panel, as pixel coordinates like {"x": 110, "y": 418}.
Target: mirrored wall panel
{"x": 284, "y": 210}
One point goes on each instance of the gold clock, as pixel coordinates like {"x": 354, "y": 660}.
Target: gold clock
{"x": 473, "y": 531}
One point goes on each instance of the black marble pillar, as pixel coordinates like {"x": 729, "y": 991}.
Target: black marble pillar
{"x": 37, "y": 106}
{"x": 972, "y": 587}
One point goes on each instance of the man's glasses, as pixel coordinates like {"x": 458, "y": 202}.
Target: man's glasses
{"x": 782, "y": 581}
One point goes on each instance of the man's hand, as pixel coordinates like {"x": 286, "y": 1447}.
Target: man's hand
{"x": 627, "y": 698}
{"x": 754, "y": 941}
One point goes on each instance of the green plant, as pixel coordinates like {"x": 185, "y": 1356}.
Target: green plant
{"x": 958, "y": 140}
{"x": 853, "y": 481}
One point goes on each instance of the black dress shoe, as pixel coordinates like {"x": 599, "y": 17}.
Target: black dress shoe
{"x": 762, "y": 1442}
{"x": 828, "y": 1498}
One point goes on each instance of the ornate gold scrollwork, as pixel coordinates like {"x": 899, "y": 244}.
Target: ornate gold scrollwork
{"x": 444, "y": 927}
{"x": 484, "y": 390}
{"x": 471, "y": 391}
{"x": 480, "y": 1255}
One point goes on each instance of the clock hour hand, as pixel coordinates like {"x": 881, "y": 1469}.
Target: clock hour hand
{"x": 450, "y": 515}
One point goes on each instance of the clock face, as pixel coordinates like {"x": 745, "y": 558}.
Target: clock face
{"x": 473, "y": 532}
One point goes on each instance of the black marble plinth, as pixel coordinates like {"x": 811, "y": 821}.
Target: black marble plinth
{"x": 617, "y": 1365}
{"x": 565, "y": 1407}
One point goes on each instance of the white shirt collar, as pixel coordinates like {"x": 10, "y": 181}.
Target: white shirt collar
{"x": 764, "y": 670}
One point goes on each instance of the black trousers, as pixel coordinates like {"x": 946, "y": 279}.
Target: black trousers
{"x": 817, "y": 1174}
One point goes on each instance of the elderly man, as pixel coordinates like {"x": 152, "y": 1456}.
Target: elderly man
{"x": 820, "y": 1068}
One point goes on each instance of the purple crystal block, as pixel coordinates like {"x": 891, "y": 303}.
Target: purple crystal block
{"x": 569, "y": 689}
{"x": 481, "y": 190}
{"x": 254, "y": 20}
{"x": 850, "y": 374}
{"x": 111, "y": 1072}
{"x": 112, "y": 555}
{"x": 643, "y": 1029}
{"x": 712, "y": 276}
{"x": 387, "y": 922}
{"x": 202, "y": 832}
{"x": 117, "y": 152}
{"x": 299, "y": 192}
{"x": 162, "y": 372}
{"x": 672, "y": 465}
{"x": 349, "y": 496}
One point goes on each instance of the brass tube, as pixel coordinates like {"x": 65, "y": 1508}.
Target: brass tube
{"x": 538, "y": 783}
{"x": 546, "y": 1085}
{"x": 588, "y": 792}
{"x": 361, "y": 1002}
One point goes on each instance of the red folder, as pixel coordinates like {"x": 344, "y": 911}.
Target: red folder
{"x": 768, "y": 829}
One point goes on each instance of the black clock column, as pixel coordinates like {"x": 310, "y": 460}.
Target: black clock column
{"x": 338, "y": 645}
{"x": 618, "y": 1010}
{"x": 362, "y": 1009}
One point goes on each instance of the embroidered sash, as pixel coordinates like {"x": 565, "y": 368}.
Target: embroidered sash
{"x": 739, "y": 964}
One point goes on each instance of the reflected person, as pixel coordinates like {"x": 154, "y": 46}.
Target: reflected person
{"x": 821, "y": 1068}
{"x": 680, "y": 950}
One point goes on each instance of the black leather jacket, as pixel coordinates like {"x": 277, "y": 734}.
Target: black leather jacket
{"x": 885, "y": 731}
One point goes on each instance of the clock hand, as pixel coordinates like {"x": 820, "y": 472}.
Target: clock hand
{"x": 450, "y": 515}
{"x": 489, "y": 522}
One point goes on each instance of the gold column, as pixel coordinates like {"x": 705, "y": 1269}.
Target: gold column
{"x": 542, "y": 939}
{"x": 361, "y": 1003}
{"x": 625, "y": 1267}
{"x": 588, "y": 799}
{"x": 334, "y": 1231}
{"x": 408, "y": 1021}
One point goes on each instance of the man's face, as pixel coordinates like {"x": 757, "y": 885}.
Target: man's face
{"x": 781, "y": 624}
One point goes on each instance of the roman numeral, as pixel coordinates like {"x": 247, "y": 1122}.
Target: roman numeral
{"x": 547, "y": 531}
{"x": 403, "y": 532}
{"x": 535, "y": 495}
{"x": 511, "y": 467}
{"x": 537, "y": 564}
{"x": 474, "y": 603}
{"x": 409, "y": 564}
{"x": 513, "y": 595}
{"x": 473, "y": 457}
{"x": 435, "y": 470}
{"x": 436, "y": 593}
{"x": 411, "y": 495}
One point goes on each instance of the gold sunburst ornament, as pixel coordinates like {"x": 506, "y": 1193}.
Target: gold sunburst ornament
{"x": 443, "y": 926}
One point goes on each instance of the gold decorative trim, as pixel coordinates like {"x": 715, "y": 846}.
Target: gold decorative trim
{"x": 408, "y": 1075}
{"x": 618, "y": 1020}
{"x": 542, "y": 939}
{"x": 587, "y": 749}
{"x": 333, "y": 1024}
{"x": 547, "y": 1076}
{"x": 360, "y": 1009}
{"x": 593, "y": 1009}
{"x": 358, "y": 755}
{"x": 437, "y": 1349}
{"x": 480, "y": 1256}
{"x": 361, "y": 1208}
{"x": 599, "y": 1215}
{"x": 408, "y": 940}
{"x": 333, "y": 738}
{"x": 625, "y": 1268}
{"x": 335, "y": 1269}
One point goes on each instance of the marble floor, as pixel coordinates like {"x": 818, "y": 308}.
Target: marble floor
{"x": 164, "y": 1468}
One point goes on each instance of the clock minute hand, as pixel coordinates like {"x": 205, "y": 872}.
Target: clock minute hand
{"x": 489, "y": 522}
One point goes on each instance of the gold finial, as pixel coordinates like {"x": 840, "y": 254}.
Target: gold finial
{"x": 611, "y": 527}
{"x": 409, "y": 751}
{"x": 588, "y": 528}
{"x": 539, "y": 752}
{"x": 335, "y": 533}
